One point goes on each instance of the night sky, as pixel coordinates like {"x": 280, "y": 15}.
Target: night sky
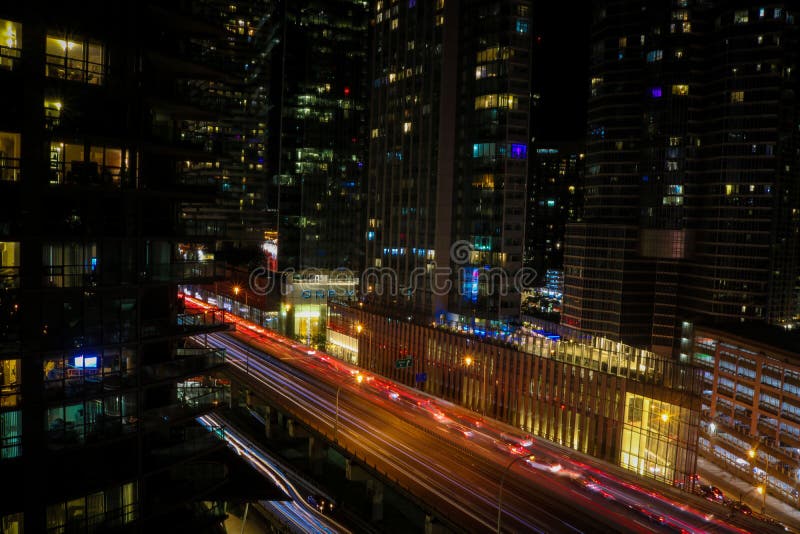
{"x": 561, "y": 70}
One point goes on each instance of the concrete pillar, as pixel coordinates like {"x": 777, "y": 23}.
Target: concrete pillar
{"x": 316, "y": 454}
{"x": 268, "y": 416}
{"x": 295, "y": 429}
{"x": 432, "y": 526}
{"x": 353, "y": 472}
{"x": 375, "y": 490}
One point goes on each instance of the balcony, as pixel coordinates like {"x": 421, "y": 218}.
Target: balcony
{"x": 9, "y": 278}
{"x": 189, "y": 362}
{"x": 185, "y": 272}
{"x": 186, "y": 324}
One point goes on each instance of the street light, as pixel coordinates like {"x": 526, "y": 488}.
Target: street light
{"x": 359, "y": 379}
{"x": 500, "y": 491}
{"x": 468, "y": 361}
{"x": 762, "y": 488}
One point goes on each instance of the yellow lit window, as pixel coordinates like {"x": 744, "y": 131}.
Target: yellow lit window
{"x": 9, "y": 156}
{"x": 439, "y": 20}
{"x": 75, "y": 59}
{"x": 680, "y": 90}
{"x": 10, "y": 43}
{"x": 394, "y": 24}
{"x": 496, "y": 101}
{"x": 737, "y": 97}
{"x": 728, "y": 189}
{"x": 406, "y": 127}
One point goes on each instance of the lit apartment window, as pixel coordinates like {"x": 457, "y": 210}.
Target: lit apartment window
{"x": 68, "y": 164}
{"x": 394, "y": 24}
{"x": 737, "y": 97}
{"x": 9, "y": 156}
{"x": 496, "y": 101}
{"x": 406, "y": 127}
{"x": 10, "y": 43}
{"x": 741, "y": 17}
{"x": 680, "y": 90}
{"x": 522, "y": 26}
{"x": 655, "y": 55}
{"x": 10, "y": 434}
{"x": 75, "y": 59}
{"x": 52, "y": 112}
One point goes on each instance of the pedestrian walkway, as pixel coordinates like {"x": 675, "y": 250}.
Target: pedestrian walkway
{"x": 733, "y": 487}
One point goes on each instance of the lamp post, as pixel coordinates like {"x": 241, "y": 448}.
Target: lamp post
{"x": 500, "y": 491}
{"x": 468, "y": 361}
{"x": 359, "y": 379}
{"x": 762, "y": 489}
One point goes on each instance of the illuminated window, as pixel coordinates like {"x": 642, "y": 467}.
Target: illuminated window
{"x": 406, "y": 127}
{"x": 394, "y": 24}
{"x": 10, "y": 43}
{"x": 741, "y": 17}
{"x": 522, "y": 26}
{"x": 494, "y": 53}
{"x": 439, "y": 20}
{"x": 655, "y": 92}
{"x": 9, "y": 156}
{"x": 681, "y": 14}
{"x": 655, "y": 55}
{"x": 77, "y": 60}
{"x": 686, "y": 27}
{"x": 737, "y": 97}
{"x": 728, "y": 189}
{"x": 52, "y": 112}
{"x": 680, "y": 90}
{"x": 376, "y": 132}
{"x": 623, "y": 42}
{"x": 674, "y": 141}
{"x": 10, "y": 434}
{"x": 679, "y": 54}
{"x": 496, "y": 101}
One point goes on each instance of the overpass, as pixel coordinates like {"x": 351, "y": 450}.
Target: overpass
{"x": 450, "y": 461}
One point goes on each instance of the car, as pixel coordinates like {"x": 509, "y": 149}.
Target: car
{"x": 543, "y": 463}
{"x": 524, "y": 442}
{"x": 509, "y": 448}
{"x": 461, "y": 430}
{"x": 711, "y": 493}
{"x": 742, "y": 508}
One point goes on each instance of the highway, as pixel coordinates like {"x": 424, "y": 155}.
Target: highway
{"x": 296, "y": 513}
{"x": 452, "y": 459}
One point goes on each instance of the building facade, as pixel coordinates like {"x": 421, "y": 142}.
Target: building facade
{"x": 448, "y": 156}
{"x": 99, "y": 381}
{"x": 691, "y": 171}
{"x": 554, "y": 199}
{"x": 624, "y": 405}
{"x": 318, "y": 132}
{"x": 751, "y": 405}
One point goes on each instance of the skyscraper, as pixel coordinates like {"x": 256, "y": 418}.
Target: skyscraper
{"x": 318, "y": 131}
{"x": 97, "y": 124}
{"x": 448, "y": 155}
{"x": 691, "y": 171}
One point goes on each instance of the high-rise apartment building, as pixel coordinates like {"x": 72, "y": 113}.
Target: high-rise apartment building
{"x": 448, "y": 155}
{"x": 318, "y": 132}
{"x": 554, "y": 199}
{"x": 691, "y": 171}
{"x": 99, "y": 378}
{"x": 226, "y": 116}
